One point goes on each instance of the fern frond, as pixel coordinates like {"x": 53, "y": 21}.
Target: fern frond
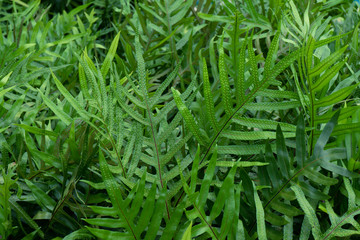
{"x": 110, "y": 56}
{"x": 71, "y": 99}
{"x": 58, "y": 112}
{"x": 188, "y": 118}
{"x": 225, "y": 86}
{"x": 115, "y": 195}
{"x": 260, "y": 218}
{"x": 309, "y": 211}
{"x": 89, "y": 73}
{"x": 209, "y": 100}
{"x": 156, "y": 97}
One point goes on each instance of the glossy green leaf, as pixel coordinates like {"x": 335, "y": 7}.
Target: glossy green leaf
{"x": 260, "y": 218}
{"x": 187, "y": 233}
{"x": 41, "y": 197}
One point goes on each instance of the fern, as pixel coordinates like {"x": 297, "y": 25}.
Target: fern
{"x": 318, "y": 84}
{"x": 307, "y": 167}
{"x": 253, "y": 86}
{"x": 225, "y": 201}
{"x": 335, "y": 230}
{"x": 179, "y": 120}
{"x": 141, "y": 220}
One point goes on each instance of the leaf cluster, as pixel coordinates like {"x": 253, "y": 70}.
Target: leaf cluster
{"x": 171, "y": 119}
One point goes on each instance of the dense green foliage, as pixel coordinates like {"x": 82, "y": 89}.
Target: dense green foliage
{"x": 172, "y": 119}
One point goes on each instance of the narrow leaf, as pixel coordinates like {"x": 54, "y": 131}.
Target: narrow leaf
{"x": 188, "y": 118}
{"x": 225, "y": 86}
{"x": 74, "y": 103}
{"x": 110, "y": 56}
{"x": 209, "y": 99}
{"x": 260, "y": 218}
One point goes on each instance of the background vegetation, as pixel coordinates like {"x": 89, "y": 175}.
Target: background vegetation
{"x": 172, "y": 119}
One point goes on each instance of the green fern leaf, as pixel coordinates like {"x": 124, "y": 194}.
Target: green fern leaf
{"x": 346, "y": 128}
{"x": 310, "y": 48}
{"x": 187, "y": 233}
{"x": 115, "y": 194}
{"x": 277, "y": 94}
{"x": 110, "y": 56}
{"x": 282, "y": 153}
{"x": 326, "y": 63}
{"x": 188, "y": 118}
{"x": 24, "y": 215}
{"x": 58, "y": 112}
{"x": 149, "y": 205}
{"x": 227, "y": 192}
{"x": 130, "y": 96}
{"x": 327, "y": 76}
{"x": 253, "y": 65}
{"x": 271, "y": 54}
{"x": 285, "y": 209}
{"x": 335, "y": 97}
{"x": 155, "y": 98}
{"x": 330, "y": 39}
{"x": 91, "y": 78}
{"x": 263, "y": 124}
{"x": 157, "y": 216}
{"x": 209, "y": 174}
{"x": 141, "y": 66}
{"x": 271, "y": 106}
{"x": 260, "y": 218}
{"x": 256, "y": 135}
{"x": 240, "y": 81}
{"x": 180, "y": 14}
{"x": 319, "y": 178}
{"x": 209, "y": 100}
{"x": 83, "y": 83}
{"x": 242, "y": 149}
{"x": 136, "y": 150}
{"x": 104, "y": 94}
{"x": 225, "y": 86}
{"x": 71, "y": 99}
{"x": 169, "y": 106}
{"x": 309, "y": 211}
{"x": 107, "y": 234}
{"x": 283, "y": 64}
{"x": 131, "y": 111}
